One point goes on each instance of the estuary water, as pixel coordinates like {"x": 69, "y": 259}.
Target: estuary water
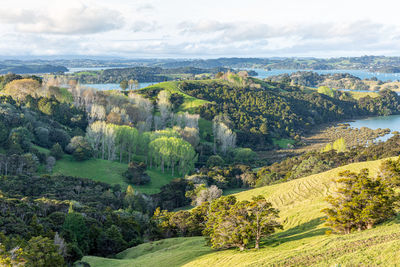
{"x": 391, "y": 122}
{"x": 362, "y": 74}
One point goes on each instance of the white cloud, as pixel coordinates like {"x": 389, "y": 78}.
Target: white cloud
{"x": 209, "y": 28}
{"x": 72, "y": 20}
{"x": 144, "y": 26}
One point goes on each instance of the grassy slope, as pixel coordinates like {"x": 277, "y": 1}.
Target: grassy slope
{"x": 190, "y": 102}
{"x": 303, "y": 241}
{"x": 108, "y": 172}
{"x": 167, "y": 252}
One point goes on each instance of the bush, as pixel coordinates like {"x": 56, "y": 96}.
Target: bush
{"x": 56, "y": 151}
{"x": 80, "y": 148}
{"x": 214, "y": 161}
{"x": 136, "y": 174}
{"x": 244, "y": 155}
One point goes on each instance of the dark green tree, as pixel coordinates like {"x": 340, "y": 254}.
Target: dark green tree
{"x": 41, "y": 252}
{"x": 361, "y": 202}
{"x": 263, "y": 218}
{"x": 56, "y": 151}
{"x": 124, "y": 84}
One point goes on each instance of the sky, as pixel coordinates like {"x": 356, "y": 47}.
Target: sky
{"x": 199, "y": 29}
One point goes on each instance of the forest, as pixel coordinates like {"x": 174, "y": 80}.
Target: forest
{"x": 259, "y": 113}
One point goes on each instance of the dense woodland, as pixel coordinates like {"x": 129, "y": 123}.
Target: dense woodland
{"x": 259, "y": 113}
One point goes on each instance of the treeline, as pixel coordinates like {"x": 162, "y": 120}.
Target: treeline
{"x": 320, "y": 161}
{"x": 141, "y": 74}
{"x": 336, "y": 80}
{"x": 280, "y": 110}
{"x": 30, "y": 68}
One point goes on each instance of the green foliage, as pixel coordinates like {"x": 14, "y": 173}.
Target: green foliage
{"x": 171, "y": 152}
{"x": 111, "y": 241}
{"x": 56, "y": 151}
{"x": 361, "y": 202}
{"x": 123, "y": 84}
{"x": 41, "y": 252}
{"x": 75, "y": 231}
{"x": 136, "y": 174}
{"x": 215, "y": 160}
{"x": 339, "y": 145}
{"x": 244, "y": 155}
{"x": 326, "y": 91}
{"x": 236, "y": 224}
{"x": 80, "y": 148}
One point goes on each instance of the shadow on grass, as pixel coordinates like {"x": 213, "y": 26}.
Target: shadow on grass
{"x": 305, "y": 230}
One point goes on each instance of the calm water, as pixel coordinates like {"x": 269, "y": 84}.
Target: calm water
{"x": 113, "y": 86}
{"x": 362, "y": 74}
{"x": 392, "y": 122}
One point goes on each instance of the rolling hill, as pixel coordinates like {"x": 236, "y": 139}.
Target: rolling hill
{"x": 303, "y": 242}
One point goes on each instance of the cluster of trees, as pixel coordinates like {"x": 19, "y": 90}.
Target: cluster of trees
{"x": 362, "y": 201}
{"x": 172, "y": 152}
{"x": 339, "y": 146}
{"x": 72, "y": 217}
{"x": 225, "y": 222}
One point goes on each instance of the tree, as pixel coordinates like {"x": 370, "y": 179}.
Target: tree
{"x": 326, "y": 91}
{"x": 50, "y": 162}
{"x": 207, "y": 195}
{"x": 165, "y": 107}
{"x": 339, "y": 145}
{"x": 235, "y": 224}
{"x": 124, "y": 84}
{"x": 136, "y": 174}
{"x": 224, "y": 137}
{"x": 56, "y": 151}
{"x": 228, "y": 224}
{"x": 74, "y": 230}
{"x": 361, "y": 202}
{"x": 215, "y": 160}
{"x": 111, "y": 241}
{"x": 42, "y": 252}
{"x": 263, "y": 218}
{"x": 80, "y": 148}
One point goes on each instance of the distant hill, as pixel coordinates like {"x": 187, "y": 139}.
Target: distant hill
{"x": 31, "y": 69}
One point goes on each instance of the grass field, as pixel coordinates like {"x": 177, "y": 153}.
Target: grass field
{"x": 302, "y": 242}
{"x": 109, "y": 172}
{"x": 283, "y": 143}
{"x": 357, "y": 95}
{"x": 167, "y": 252}
{"x": 190, "y": 102}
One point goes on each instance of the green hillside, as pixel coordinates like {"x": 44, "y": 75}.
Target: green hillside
{"x": 109, "y": 172}
{"x": 190, "y": 102}
{"x": 303, "y": 242}
{"x": 167, "y": 252}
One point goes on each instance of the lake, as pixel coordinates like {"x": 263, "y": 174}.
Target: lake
{"x": 392, "y": 122}
{"x": 362, "y": 74}
{"x": 112, "y": 86}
